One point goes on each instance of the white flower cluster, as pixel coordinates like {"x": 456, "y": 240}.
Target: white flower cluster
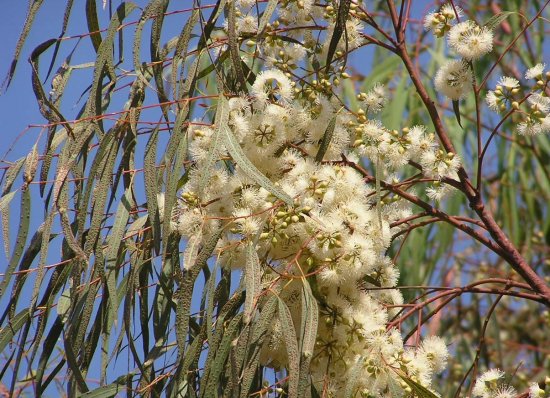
{"x": 533, "y": 110}
{"x": 490, "y": 385}
{"x": 440, "y": 22}
{"x": 332, "y": 230}
{"x": 336, "y": 228}
{"x": 468, "y": 40}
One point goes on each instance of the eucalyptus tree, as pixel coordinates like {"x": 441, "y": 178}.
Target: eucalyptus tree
{"x": 238, "y": 206}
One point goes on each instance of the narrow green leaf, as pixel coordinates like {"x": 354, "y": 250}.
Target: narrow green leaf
{"x": 339, "y": 28}
{"x": 44, "y": 247}
{"x": 221, "y": 119}
{"x": 34, "y": 6}
{"x": 497, "y": 19}
{"x": 249, "y": 169}
{"x": 74, "y": 367}
{"x": 64, "y": 304}
{"x": 252, "y": 278}
{"x": 110, "y": 390}
{"x": 292, "y": 350}
{"x": 113, "y": 244}
{"x": 6, "y": 199}
{"x": 153, "y": 9}
{"x": 8, "y": 331}
{"x": 266, "y": 16}
{"x": 456, "y": 110}
{"x": 325, "y": 142}
{"x": 181, "y": 50}
{"x": 222, "y": 353}
{"x": 24, "y": 220}
{"x": 308, "y": 335}
{"x": 93, "y": 24}
{"x": 151, "y": 187}
{"x": 259, "y": 333}
{"x": 104, "y": 60}
{"x": 11, "y": 174}
{"x": 211, "y": 292}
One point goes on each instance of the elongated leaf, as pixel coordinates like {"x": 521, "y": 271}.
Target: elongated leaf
{"x": 93, "y": 24}
{"x": 292, "y": 350}
{"x": 104, "y": 60}
{"x": 11, "y": 174}
{"x": 252, "y": 277}
{"x": 234, "y": 47}
{"x": 266, "y": 16}
{"x": 497, "y": 19}
{"x": 34, "y": 6}
{"x": 113, "y": 244}
{"x": 6, "y": 199}
{"x": 222, "y": 116}
{"x": 456, "y": 110}
{"x": 181, "y": 50}
{"x": 151, "y": 187}
{"x": 109, "y": 390}
{"x": 339, "y": 28}
{"x": 8, "y": 331}
{"x": 63, "y": 305}
{"x": 260, "y": 327}
{"x": 222, "y": 354}
{"x": 308, "y": 335}
{"x": 325, "y": 142}
{"x": 24, "y": 220}
{"x": 249, "y": 169}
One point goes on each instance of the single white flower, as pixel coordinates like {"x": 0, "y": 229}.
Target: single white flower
{"x": 469, "y": 40}
{"x": 494, "y": 101}
{"x": 454, "y": 79}
{"x": 509, "y": 83}
{"x": 535, "y": 72}
{"x": 533, "y": 126}
{"x": 440, "y": 22}
{"x": 451, "y": 12}
{"x": 431, "y": 21}
{"x": 505, "y": 391}
{"x": 539, "y": 103}
{"x": 487, "y": 383}
{"x": 376, "y": 98}
{"x": 436, "y": 352}
{"x": 272, "y": 82}
{"x": 535, "y": 391}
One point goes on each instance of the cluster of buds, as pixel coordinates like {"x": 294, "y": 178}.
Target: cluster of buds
{"x": 282, "y": 219}
{"x": 442, "y": 21}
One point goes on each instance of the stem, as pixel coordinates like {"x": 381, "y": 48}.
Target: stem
{"x": 505, "y": 248}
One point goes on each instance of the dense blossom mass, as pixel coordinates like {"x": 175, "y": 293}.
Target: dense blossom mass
{"x": 278, "y": 171}
{"x": 335, "y": 227}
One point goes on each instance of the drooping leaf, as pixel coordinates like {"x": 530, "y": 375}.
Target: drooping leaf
{"x": 456, "y": 110}
{"x": 292, "y": 350}
{"x": 327, "y": 138}
{"x": 497, "y": 19}
{"x": 34, "y": 6}
{"x": 249, "y": 169}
